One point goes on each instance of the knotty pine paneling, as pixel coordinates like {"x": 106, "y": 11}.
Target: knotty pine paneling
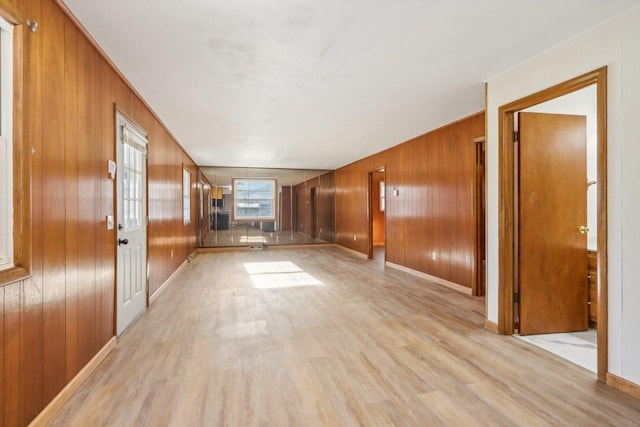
{"x": 53, "y": 323}
{"x": 433, "y": 212}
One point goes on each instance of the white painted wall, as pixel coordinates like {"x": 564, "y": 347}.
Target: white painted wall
{"x": 582, "y": 102}
{"x": 615, "y": 44}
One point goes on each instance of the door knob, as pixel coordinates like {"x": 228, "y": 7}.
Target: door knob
{"x": 123, "y": 242}
{"x": 583, "y": 229}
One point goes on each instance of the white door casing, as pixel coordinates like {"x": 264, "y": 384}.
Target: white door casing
{"x": 131, "y": 195}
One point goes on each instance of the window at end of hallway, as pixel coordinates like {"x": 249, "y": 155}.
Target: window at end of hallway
{"x": 186, "y": 196}
{"x": 382, "y": 198}
{"x": 6, "y": 143}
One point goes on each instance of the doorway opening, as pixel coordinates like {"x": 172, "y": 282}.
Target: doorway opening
{"x": 377, "y": 208}
{"x": 553, "y": 215}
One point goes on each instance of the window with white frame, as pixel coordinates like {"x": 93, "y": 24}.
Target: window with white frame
{"x": 254, "y": 199}
{"x": 6, "y": 142}
{"x": 186, "y": 196}
{"x": 382, "y": 197}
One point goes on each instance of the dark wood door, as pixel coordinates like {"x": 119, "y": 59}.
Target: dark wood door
{"x": 552, "y": 251}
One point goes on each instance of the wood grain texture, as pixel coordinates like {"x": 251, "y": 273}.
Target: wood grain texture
{"x": 324, "y": 188}
{"x": 552, "y": 205}
{"x": 56, "y": 321}
{"x": 367, "y": 346}
{"x": 433, "y": 211}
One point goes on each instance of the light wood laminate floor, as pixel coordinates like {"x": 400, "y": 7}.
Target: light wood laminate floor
{"x": 310, "y": 337}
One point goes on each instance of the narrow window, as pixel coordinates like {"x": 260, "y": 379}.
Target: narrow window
{"x": 186, "y": 196}
{"x": 382, "y": 199}
{"x": 6, "y": 143}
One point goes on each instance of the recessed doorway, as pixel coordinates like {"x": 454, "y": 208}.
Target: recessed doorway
{"x": 377, "y": 208}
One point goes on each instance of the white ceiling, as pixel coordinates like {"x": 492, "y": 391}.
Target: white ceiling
{"x": 319, "y": 84}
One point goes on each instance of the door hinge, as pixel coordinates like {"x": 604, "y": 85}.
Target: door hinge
{"x": 516, "y": 298}
{"x": 516, "y": 136}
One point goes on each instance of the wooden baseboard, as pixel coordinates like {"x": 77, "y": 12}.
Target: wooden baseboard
{"x": 351, "y": 251}
{"x": 52, "y": 409}
{"x": 162, "y": 287}
{"x": 438, "y": 280}
{"x": 491, "y": 326}
{"x": 625, "y": 386}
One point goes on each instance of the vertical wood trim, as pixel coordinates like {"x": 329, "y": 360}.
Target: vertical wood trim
{"x": 603, "y": 251}
{"x": 506, "y": 221}
{"x": 506, "y": 204}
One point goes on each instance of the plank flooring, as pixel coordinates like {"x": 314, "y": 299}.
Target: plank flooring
{"x": 319, "y": 337}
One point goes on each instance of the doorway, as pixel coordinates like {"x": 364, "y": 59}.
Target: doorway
{"x": 377, "y": 208}
{"x": 511, "y": 249}
{"x": 131, "y": 197}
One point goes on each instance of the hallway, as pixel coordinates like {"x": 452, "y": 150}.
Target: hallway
{"x": 320, "y": 337}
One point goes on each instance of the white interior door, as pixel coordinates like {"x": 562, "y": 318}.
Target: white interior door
{"x": 131, "y": 169}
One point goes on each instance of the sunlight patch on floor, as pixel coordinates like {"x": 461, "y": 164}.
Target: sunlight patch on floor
{"x": 281, "y": 274}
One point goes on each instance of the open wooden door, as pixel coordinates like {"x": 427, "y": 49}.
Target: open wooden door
{"x": 552, "y": 239}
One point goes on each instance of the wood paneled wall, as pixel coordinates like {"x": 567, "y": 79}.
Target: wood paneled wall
{"x": 433, "y": 211}
{"x": 325, "y": 206}
{"x": 53, "y": 323}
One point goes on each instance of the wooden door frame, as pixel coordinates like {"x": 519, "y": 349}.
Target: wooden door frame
{"x": 370, "y": 205}
{"x": 506, "y": 214}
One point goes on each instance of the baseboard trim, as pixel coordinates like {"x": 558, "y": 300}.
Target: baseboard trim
{"x": 162, "y": 287}
{"x": 625, "y": 386}
{"x": 351, "y": 251}
{"x": 52, "y": 409}
{"x": 434, "y": 279}
{"x": 266, "y": 247}
{"x": 491, "y": 326}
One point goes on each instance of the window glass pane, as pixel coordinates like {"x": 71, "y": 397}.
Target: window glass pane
{"x": 254, "y": 199}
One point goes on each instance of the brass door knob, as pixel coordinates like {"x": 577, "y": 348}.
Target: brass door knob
{"x": 583, "y": 229}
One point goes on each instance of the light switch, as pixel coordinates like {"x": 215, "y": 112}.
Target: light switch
{"x": 110, "y": 223}
{"x": 112, "y": 169}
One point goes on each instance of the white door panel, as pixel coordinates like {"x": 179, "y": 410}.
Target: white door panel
{"x": 132, "y": 225}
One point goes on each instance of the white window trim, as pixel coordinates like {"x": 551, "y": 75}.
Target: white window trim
{"x": 186, "y": 196}
{"x": 6, "y": 145}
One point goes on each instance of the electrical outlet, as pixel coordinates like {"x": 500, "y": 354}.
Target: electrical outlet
{"x": 434, "y": 256}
